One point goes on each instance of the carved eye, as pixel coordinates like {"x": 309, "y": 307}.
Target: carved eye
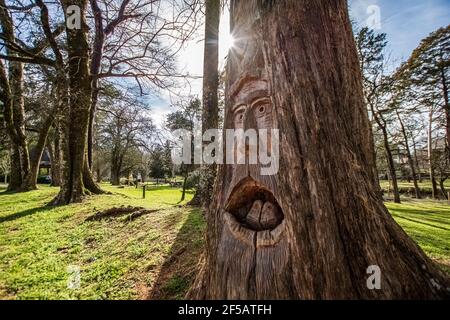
{"x": 261, "y": 109}
{"x": 239, "y": 116}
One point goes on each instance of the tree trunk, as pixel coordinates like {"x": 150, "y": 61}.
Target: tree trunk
{"x": 98, "y": 172}
{"x": 115, "y": 168}
{"x": 15, "y": 180}
{"x": 88, "y": 179}
{"x": 12, "y": 96}
{"x": 54, "y": 151}
{"x": 210, "y": 107}
{"x": 446, "y": 110}
{"x": 30, "y": 182}
{"x": 430, "y": 154}
{"x": 74, "y": 120}
{"x": 183, "y": 194}
{"x": 390, "y": 160}
{"x": 410, "y": 158}
{"x": 442, "y": 187}
{"x": 416, "y": 161}
{"x": 115, "y": 178}
{"x": 314, "y": 229}
{"x": 115, "y": 173}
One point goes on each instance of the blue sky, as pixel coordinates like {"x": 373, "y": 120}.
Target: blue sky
{"x": 405, "y": 22}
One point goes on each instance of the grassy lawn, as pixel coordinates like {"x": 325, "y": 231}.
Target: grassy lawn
{"x": 425, "y": 185}
{"x": 428, "y": 223}
{"x": 151, "y": 257}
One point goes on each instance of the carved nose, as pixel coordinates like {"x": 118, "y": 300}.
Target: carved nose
{"x": 250, "y": 121}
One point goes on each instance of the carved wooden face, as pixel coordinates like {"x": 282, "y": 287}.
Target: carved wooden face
{"x": 253, "y": 238}
{"x": 253, "y": 252}
{"x": 251, "y": 203}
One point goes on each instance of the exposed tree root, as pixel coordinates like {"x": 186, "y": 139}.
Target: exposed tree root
{"x": 132, "y": 212}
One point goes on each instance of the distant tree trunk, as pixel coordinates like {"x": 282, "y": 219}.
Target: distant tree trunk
{"x": 30, "y": 182}
{"x": 115, "y": 176}
{"x": 313, "y": 229}
{"x": 442, "y": 179}
{"x": 430, "y": 154}
{"x": 14, "y": 110}
{"x": 446, "y": 109}
{"x": 95, "y": 69}
{"x": 183, "y": 194}
{"x": 210, "y": 107}
{"x": 54, "y": 151}
{"x": 416, "y": 160}
{"x": 390, "y": 159}
{"x": 16, "y": 74}
{"x": 101, "y": 32}
{"x": 410, "y": 158}
{"x": 116, "y": 166}
{"x": 99, "y": 172}
{"x": 15, "y": 179}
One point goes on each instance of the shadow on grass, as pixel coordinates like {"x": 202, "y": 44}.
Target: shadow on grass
{"x": 425, "y": 217}
{"x": 21, "y": 214}
{"x": 178, "y": 270}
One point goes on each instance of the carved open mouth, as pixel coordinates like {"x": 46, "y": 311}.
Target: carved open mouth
{"x": 254, "y": 206}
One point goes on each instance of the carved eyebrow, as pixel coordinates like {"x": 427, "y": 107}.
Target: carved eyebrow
{"x": 259, "y": 101}
{"x": 238, "y": 107}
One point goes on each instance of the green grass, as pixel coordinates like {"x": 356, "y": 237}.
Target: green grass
{"x": 154, "y": 255}
{"x": 428, "y": 223}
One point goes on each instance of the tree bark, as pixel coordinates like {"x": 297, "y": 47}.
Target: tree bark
{"x": 312, "y": 230}
{"x": 15, "y": 178}
{"x": 14, "y": 109}
{"x": 74, "y": 120}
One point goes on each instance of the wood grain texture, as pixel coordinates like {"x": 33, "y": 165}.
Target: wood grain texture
{"x": 335, "y": 224}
